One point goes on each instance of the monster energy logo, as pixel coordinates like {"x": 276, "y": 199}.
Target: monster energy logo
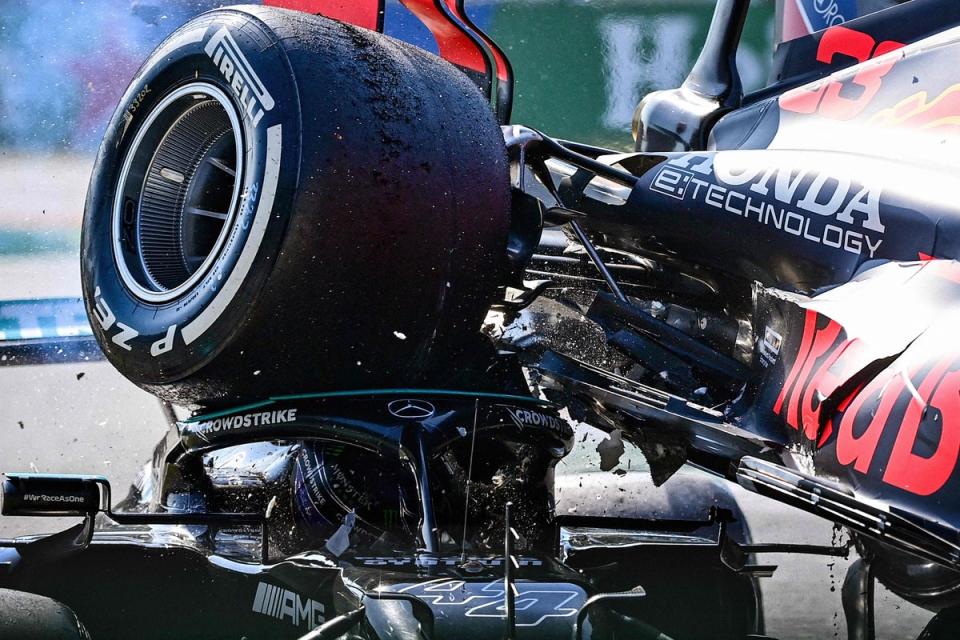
{"x": 391, "y": 518}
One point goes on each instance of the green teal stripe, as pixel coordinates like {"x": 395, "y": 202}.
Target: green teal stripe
{"x": 231, "y": 411}
{"x": 370, "y": 392}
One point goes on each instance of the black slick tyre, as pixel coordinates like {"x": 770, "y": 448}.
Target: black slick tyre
{"x": 283, "y": 203}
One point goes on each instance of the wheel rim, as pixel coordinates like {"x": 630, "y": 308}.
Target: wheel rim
{"x": 178, "y": 193}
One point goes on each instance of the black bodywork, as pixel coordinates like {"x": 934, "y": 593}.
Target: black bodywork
{"x": 179, "y": 540}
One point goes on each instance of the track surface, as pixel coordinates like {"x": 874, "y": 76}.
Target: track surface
{"x": 52, "y": 419}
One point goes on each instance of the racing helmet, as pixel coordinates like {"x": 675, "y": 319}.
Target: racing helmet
{"x": 479, "y": 453}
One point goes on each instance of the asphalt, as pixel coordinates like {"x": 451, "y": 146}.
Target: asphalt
{"x": 86, "y": 418}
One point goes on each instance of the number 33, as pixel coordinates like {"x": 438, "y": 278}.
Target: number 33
{"x": 825, "y": 97}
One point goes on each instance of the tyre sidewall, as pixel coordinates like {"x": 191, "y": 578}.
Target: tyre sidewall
{"x": 162, "y": 342}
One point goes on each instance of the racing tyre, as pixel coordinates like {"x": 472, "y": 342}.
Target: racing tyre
{"x": 284, "y": 203}
{"x": 27, "y": 616}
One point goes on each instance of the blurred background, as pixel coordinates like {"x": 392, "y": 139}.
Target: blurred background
{"x": 581, "y": 67}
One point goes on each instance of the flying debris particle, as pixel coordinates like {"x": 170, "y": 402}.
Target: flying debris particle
{"x": 340, "y": 540}
{"x": 20, "y": 422}
{"x": 80, "y": 375}
{"x": 270, "y": 507}
{"x": 400, "y": 336}
{"x": 257, "y": 372}
{"x": 33, "y": 467}
{"x": 610, "y": 450}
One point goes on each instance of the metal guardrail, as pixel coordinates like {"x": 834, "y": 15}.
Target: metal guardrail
{"x": 45, "y": 331}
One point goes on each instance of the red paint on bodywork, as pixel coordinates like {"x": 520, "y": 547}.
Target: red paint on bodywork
{"x": 939, "y": 401}
{"x": 845, "y": 360}
{"x": 503, "y": 67}
{"x": 940, "y": 115}
{"x": 362, "y": 13}
{"x": 883, "y": 401}
{"x": 454, "y": 45}
{"x": 809, "y": 327}
{"x": 859, "y": 449}
{"x": 814, "y": 345}
{"x": 946, "y": 269}
{"x": 826, "y": 97}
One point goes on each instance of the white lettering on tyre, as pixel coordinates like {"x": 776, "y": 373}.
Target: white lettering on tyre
{"x": 251, "y": 247}
{"x": 127, "y": 333}
{"x": 256, "y": 100}
{"x": 106, "y": 318}
{"x": 236, "y": 70}
{"x": 102, "y": 311}
{"x": 165, "y": 343}
{"x": 186, "y": 38}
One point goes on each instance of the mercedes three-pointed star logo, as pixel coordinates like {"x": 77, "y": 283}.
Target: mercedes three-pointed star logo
{"x": 411, "y": 409}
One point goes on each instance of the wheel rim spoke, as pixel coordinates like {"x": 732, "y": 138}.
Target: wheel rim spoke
{"x": 197, "y": 211}
{"x": 180, "y": 182}
{"x": 220, "y": 164}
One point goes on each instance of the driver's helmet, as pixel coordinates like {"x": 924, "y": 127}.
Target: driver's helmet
{"x": 351, "y": 499}
{"x": 337, "y": 485}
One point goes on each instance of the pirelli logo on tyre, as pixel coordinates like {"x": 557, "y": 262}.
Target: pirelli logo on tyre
{"x": 236, "y": 70}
